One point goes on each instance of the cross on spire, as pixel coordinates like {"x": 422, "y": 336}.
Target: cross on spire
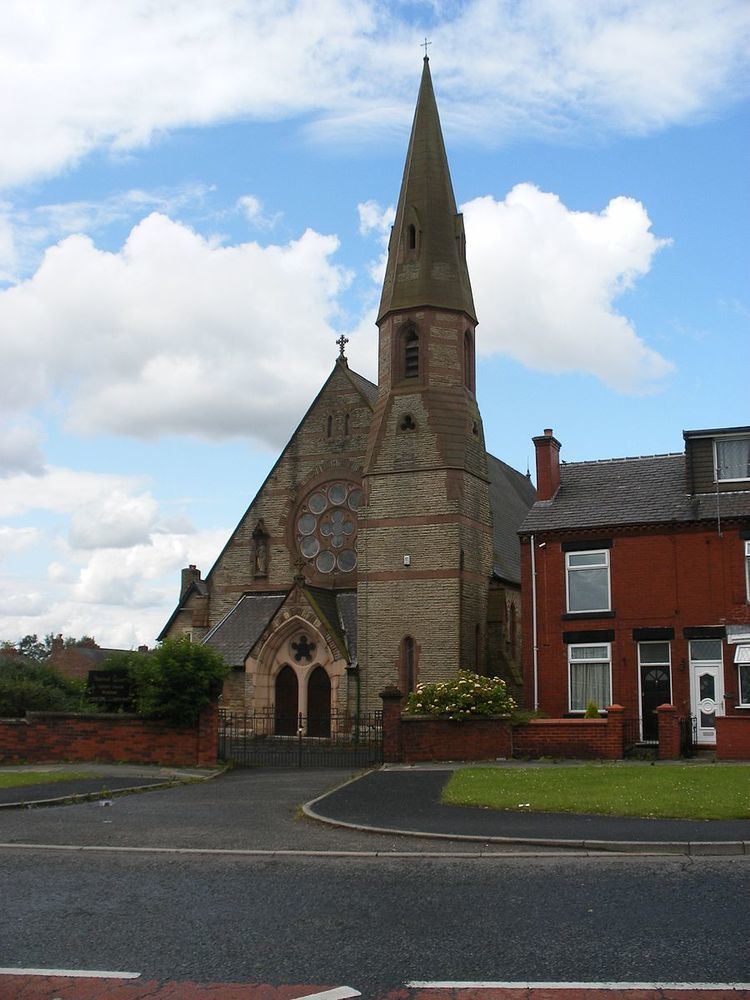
{"x": 424, "y": 44}
{"x": 342, "y": 342}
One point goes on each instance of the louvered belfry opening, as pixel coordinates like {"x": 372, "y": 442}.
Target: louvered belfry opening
{"x": 411, "y": 355}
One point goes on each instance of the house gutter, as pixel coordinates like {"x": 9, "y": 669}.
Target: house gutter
{"x": 534, "y": 637}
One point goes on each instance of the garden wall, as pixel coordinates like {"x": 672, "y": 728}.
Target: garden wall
{"x": 50, "y": 737}
{"x": 415, "y": 738}
{"x": 732, "y": 737}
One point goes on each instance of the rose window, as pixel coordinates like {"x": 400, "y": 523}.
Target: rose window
{"x": 327, "y": 527}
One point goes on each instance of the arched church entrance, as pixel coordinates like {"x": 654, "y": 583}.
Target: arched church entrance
{"x": 287, "y": 700}
{"x": 319, "y": 703}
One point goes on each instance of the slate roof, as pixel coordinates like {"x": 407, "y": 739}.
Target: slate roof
{"x": 620, "y": 491}
{"x": 435, "y": 273}
{"x": 332, "y": 606}
{"x": 368, "y": 389}
{"x": 239, "y": 630}
{"x": 511, "y": 496}
{"x": 346, "y": 601}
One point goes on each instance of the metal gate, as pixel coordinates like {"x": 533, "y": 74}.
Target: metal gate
{"x": 253, "y": 739}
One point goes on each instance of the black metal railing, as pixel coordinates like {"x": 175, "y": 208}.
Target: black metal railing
{"x": 688, "y": 735}
{"x": 265, "y": 738}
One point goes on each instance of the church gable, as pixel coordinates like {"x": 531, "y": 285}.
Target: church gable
{"x": 269, "y": 546}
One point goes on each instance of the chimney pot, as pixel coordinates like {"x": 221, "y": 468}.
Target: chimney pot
{"x": 548, "y": 432}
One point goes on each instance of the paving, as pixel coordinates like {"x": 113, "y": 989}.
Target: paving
{"x": 391, "y": 810}
{"x": 408, "y": 800}
{"x": 103, "y": 781}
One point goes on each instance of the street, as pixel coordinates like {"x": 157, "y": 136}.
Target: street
{"x": 376, "y": 924}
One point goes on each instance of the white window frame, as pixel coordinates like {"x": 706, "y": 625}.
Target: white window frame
{"x": 716, "y": 442}
{"x": 587, "y": 645}
{"x": 747, "y": 571}
{"x": 741, "y": 703}
{"x": 575, "y": 569}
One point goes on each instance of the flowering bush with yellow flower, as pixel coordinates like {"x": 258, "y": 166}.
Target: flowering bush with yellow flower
{"x": 467, "y": 696}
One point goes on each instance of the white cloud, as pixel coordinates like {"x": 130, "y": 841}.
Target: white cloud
{"x": 114, "y": 521}
{"x": 59, "y": 490}
{"x": 76, "y": 76}
{"x": 19, "y": 450}
{"x": 14, "y": 540}
{"x": 252, "y": 208}
{"x": 117, "y": 575}
{"x": 546, "y": 278}
{"x": 175, "y": 333}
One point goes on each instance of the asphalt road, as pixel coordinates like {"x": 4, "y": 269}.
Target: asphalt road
{"x": 374, "y": 924}
{"x": 370, "y": 923}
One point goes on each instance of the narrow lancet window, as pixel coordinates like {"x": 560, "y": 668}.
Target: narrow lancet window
{"x": 411, "y": 237}
{"x": 468, "y": 362}
{"x": 410, "y": 676}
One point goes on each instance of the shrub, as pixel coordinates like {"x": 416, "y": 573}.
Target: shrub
{"x": 467, "y": 696}
{"x": 592, "y": 710}
{"x": 34, "y": 687}
{"x": 176, "y": 681}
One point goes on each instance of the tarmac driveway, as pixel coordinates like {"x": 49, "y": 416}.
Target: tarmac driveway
{"x": 254, "y": 809}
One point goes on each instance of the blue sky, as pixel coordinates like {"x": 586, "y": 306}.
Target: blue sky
{"x": 194, "y": 203}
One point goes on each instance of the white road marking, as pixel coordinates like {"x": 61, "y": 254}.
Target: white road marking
{"x": 499, "y": 985}
{"x": 71, "y": 973}
{"x": 339, "y": 993}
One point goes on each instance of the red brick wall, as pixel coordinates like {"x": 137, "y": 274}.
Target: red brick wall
{"x": 599, "y": 739}
{"x": 452, "y": 739}
{"x": 47, "y": 737}
{"x": 685, "y": 578}
{"x": 410, "y": 738}
{"x": 733, "y": 737}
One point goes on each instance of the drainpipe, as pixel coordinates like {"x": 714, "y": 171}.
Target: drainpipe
{"x": 535, "y": 645}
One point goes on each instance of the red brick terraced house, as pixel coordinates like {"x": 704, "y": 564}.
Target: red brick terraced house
{"x": 636, "y": 585}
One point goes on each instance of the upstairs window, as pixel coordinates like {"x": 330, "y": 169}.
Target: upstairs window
{"x": 587, "y": 580}
{"x": 329, "y": 425}
{"x": 411, "y": 354}
{"x": 411, "y": 237}
{"x": 747, "y": 571}
{"x": 732, "y": 459}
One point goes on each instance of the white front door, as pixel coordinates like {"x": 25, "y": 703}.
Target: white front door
{"x": 707, "y": 699}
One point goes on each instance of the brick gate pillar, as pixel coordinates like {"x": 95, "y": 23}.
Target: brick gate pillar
{"x": 392, "y": 748}
{"x": 615, "y": 732}
{"x": 669, "y": 732}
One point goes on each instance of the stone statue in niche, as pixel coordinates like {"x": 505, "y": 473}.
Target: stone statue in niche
{"x": 260, "y": 550}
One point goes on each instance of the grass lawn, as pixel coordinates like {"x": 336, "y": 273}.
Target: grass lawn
{"x": 690, "y": 791}
{"x": 15, "y": 779}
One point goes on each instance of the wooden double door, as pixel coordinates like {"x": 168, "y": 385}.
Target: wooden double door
{"x": 288, "y": 715}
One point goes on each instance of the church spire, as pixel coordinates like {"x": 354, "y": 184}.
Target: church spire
{"x": 426, "y": 254}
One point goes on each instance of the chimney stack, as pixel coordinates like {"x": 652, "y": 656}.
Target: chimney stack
{"x": 547, "y": 464}
{"x": 189, "y": 575}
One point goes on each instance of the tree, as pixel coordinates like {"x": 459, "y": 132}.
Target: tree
{"x": 176, "y": 681}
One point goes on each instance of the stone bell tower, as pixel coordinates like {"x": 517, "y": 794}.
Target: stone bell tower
{"x": 425, "y": 549}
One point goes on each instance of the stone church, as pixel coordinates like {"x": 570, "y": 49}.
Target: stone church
{"x": 382, "y": 548}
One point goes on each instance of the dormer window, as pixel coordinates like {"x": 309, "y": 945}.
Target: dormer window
{"x": 732, "y": 459}
{"x": 411, "y": 354}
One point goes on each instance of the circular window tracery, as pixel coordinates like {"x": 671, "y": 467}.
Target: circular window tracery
{"x": 327, "y": 527}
